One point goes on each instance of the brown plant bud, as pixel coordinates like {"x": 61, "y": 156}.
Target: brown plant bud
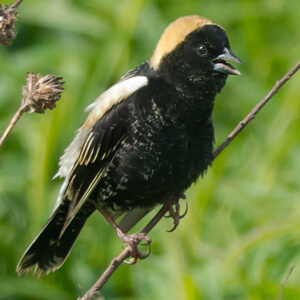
{"x": 8, "y": 16}
{"x": 41, "y": 92}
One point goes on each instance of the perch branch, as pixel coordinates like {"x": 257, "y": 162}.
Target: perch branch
{"x": 256, "y": 109}
{"x": 115, "y": 263}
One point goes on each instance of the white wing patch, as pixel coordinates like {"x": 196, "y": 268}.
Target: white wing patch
{"x": 118, "y": 92}
{"x": 121, "y": 90}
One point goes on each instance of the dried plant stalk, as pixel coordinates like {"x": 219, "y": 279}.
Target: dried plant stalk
{"x": 8, "y": 16}
{"x": 40, "y": 93}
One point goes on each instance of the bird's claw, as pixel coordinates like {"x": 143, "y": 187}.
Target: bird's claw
{"x": 174, "y": 213}
{"x": 131, "y": 242}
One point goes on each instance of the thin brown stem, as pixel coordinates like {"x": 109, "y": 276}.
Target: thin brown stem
{"x": 115, "y": 263}
{"x": 16, "y": 4}
{"x": 13, "y": 122}
{"x": 279, "y": 296}
{"x": 256, "y": 109}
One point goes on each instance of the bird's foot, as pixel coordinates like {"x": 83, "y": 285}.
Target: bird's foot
{"x": 132, "y": 241}
{"x": 174, "y": 212}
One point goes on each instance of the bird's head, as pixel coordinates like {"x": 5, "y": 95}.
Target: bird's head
{"x": 196, "y": 47}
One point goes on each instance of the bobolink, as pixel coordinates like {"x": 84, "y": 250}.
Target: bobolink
{"x": 145, "y": 141}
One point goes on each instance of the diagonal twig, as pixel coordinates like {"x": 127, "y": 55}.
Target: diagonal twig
{"x": 256, "y": 109}
{"x": 115, "y": 263}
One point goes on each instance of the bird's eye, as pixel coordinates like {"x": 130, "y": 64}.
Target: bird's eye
{"x": 202, "y": 50}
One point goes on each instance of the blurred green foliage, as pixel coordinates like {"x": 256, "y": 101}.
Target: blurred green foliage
{"x": 242, "y": 233}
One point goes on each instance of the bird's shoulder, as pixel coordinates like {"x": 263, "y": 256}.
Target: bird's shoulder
{"x": 144, "y": 69}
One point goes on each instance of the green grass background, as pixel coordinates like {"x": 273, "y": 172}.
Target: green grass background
{"x": 242, "y": 233}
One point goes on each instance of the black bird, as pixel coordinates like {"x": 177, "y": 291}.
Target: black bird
{"x": 145, "y": 141}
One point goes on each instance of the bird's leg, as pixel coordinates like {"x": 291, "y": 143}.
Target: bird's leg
{"x": 131, "y": 241}
{"x": 174, "y": 211}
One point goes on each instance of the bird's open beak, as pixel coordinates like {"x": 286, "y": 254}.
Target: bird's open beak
{"x": 221, "y": 65}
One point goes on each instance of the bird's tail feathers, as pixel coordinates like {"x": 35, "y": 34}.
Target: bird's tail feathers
{"x": 50, "y": 249}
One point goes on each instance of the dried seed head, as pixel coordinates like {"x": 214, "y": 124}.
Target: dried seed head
{"x": 7, "y": 18}
{"x": 41, "y": 93}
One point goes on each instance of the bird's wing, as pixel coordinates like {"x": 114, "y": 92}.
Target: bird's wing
{"x": 87, "y": 158}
